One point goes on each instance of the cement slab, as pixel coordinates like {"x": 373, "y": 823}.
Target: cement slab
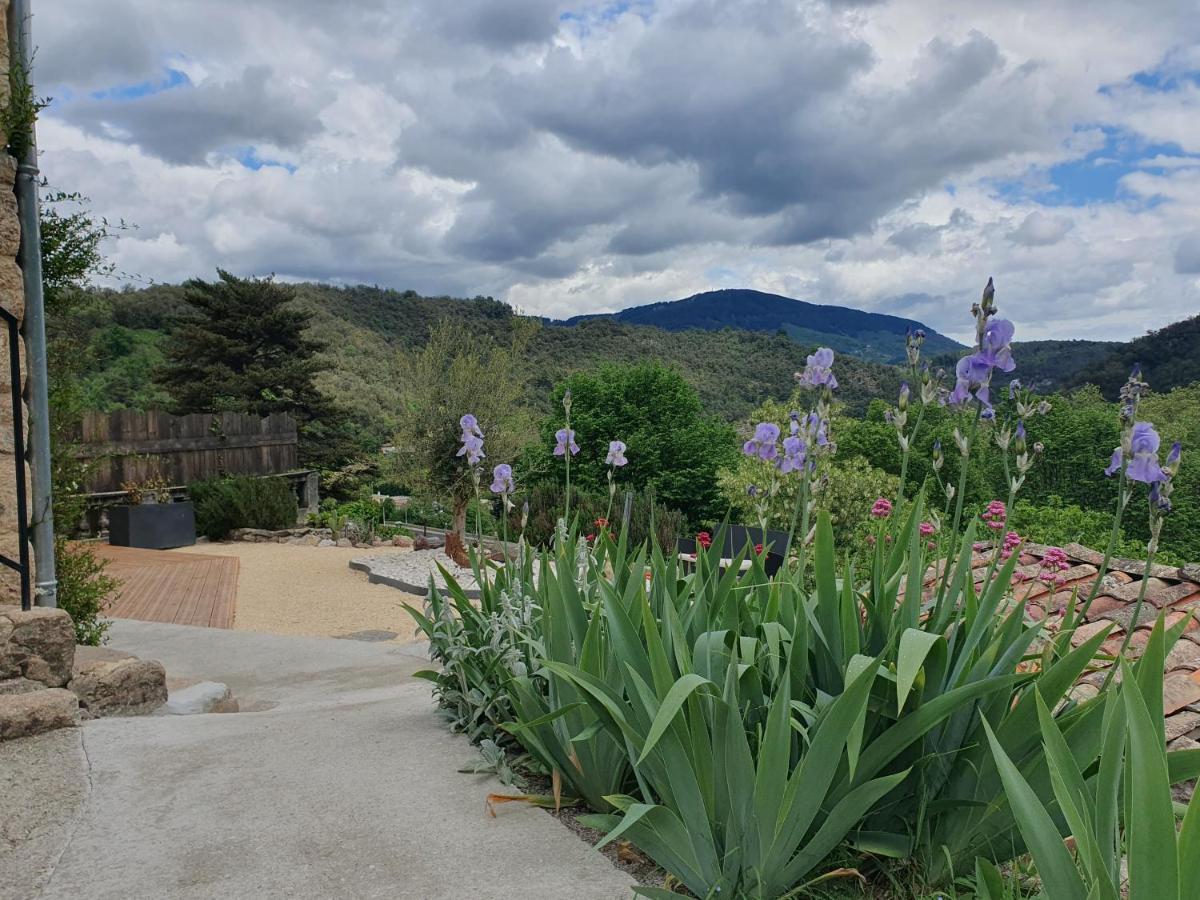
{"x": 346, "y": 786}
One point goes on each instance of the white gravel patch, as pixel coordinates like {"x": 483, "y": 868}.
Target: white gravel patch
{"x": 414, "y": 569}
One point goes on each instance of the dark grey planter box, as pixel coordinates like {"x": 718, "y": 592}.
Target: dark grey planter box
{"x": 153, "y": 526}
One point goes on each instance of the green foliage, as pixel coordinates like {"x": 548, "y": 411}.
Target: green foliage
{"x": 19, "y": 115}
{"x": 675, "y": 448}
{"x": 1122, "y": 810}
{"x": 1057, "y": 523}
{"x": 70, "y": 246}
{"x": 739, "y": 729}
{"x": 84, "y": 589}
{"x": 845, "y": 487}
{"x": 456, "y": 373}
{"x": 242, "y": 501}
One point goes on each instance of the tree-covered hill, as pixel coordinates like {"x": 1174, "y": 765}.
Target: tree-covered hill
{"x": 1168, "y": 357}
{"x": 868, "y": 335}
{"x": 366, "y": 329}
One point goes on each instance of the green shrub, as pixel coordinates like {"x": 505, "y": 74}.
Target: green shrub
{"x": 242, "y": 501}
{"x": 84, "y": 589}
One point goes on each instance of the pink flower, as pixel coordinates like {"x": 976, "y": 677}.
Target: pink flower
{"x": 882, "y": 508}
{"x": 927, "y": 529}
{"x": 1012, "y": 541}
{"x": 1054, "y": 561}
{"x": 995, "y": 515}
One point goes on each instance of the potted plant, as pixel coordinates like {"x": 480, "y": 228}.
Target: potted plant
{"x": 152, "y": 519}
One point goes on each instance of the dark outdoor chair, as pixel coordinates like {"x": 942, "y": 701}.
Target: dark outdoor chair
{"x": 738, "y": 536}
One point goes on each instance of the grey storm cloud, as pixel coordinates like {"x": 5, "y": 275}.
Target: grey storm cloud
{"x": 759, "y": 107}
{"x": 184, "y": 124}
{"x": 1187, "y": 255}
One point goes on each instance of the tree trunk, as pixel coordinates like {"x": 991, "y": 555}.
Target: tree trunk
{"x": 456, "y": 547}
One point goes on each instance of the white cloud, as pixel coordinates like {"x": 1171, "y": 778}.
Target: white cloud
{"x": 580, "y": 158}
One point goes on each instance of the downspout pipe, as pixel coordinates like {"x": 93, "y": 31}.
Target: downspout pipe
{"x": 34, "y": 328}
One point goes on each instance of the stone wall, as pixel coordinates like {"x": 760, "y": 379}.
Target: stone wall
{"x": 12, "y": 298}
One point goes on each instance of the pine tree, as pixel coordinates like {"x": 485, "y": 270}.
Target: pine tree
{"x": 242, "y": 347}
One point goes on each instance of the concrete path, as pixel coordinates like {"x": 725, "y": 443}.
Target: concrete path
{"x": 343, "y": 784}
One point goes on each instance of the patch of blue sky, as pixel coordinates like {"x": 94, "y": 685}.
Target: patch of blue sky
{"x": 1096, "y": 176}
{"x": 248, "y": 157}
{"x": 588, "y": 17}
{"x": 173, "y": 79}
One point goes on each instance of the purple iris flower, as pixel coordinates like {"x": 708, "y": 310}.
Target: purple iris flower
{"x": 502, "y": 479}
{"x": 566, "y": 441}
{"x": 616, "y": 454}
{"x": 1114, "y": 465}
{"x": 763, "y": 444}
{"x": 1143, "y": 448}
{"x": 794, "y": 453}
{"x": 472, "y": 449}
{"x": 970, "y": 375}
{"x": 1013, "y": 387}
{"x": 818, "y": 371}
{"x": 995, "y": 349}
{"x": 794, "y": 422}
{"x": 1175, "y": 454}
{"x": 470, "y": 427}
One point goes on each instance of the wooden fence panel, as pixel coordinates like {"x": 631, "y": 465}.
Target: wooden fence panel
{"x": 131, "y": 446}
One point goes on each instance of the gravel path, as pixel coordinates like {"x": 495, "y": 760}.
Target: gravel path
{"x": 299, "y": 590}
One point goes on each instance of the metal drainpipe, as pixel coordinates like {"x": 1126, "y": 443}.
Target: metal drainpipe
{"x": 34, "y": 327}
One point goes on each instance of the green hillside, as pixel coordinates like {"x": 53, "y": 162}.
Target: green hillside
{"x": 365, "y": 330}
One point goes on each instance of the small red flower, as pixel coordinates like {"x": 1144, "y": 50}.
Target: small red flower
{"x": 590, "y": 538}
{"x": 602, "y": 522}
{"x": 758, "y": 548}
{"x": 704, "y": 539}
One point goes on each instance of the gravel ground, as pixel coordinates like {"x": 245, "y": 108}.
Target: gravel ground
{"x": 290, "y": 589}
{"x": 414, "y": 567}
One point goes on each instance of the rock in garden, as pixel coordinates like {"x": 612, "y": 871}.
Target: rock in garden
{"x": 401, "y": 541}
{"x": 38, "y": 644}
{"x": 310, "y": 540}
{"x": 19, "y": 686}
{"x": 22, "y": 715}
{"x": 345, "y": 542}
{"x": 428, "y": 542}
{"x": 202, "y": 697}
{"x": 126, "y": 687}
{"x": 327, "y": 543}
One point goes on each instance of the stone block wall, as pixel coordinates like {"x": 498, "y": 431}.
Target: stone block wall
{"x": 12, "y": 298}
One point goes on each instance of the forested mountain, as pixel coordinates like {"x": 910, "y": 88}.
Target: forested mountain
{"x": 868, "y": 335}
{"x": 1169, "y": 358}
{"x": 367, "y": 329}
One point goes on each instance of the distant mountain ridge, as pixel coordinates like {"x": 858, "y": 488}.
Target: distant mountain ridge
{"x": 874, "y": 336}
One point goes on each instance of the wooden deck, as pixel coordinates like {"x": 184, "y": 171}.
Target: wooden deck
{"x": 166, "y": 586}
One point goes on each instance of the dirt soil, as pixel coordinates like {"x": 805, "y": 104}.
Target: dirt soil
{"x": 312, "y": 591}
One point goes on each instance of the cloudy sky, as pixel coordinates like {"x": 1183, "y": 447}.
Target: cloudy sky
{"x": 581, "y": 157}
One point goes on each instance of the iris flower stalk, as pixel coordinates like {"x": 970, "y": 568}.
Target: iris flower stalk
{"x": 1131, "y": 395}
{"x": 566, "y": 448}
{"x": 615, "y": 459}
{"x": 1160, "y": 505}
